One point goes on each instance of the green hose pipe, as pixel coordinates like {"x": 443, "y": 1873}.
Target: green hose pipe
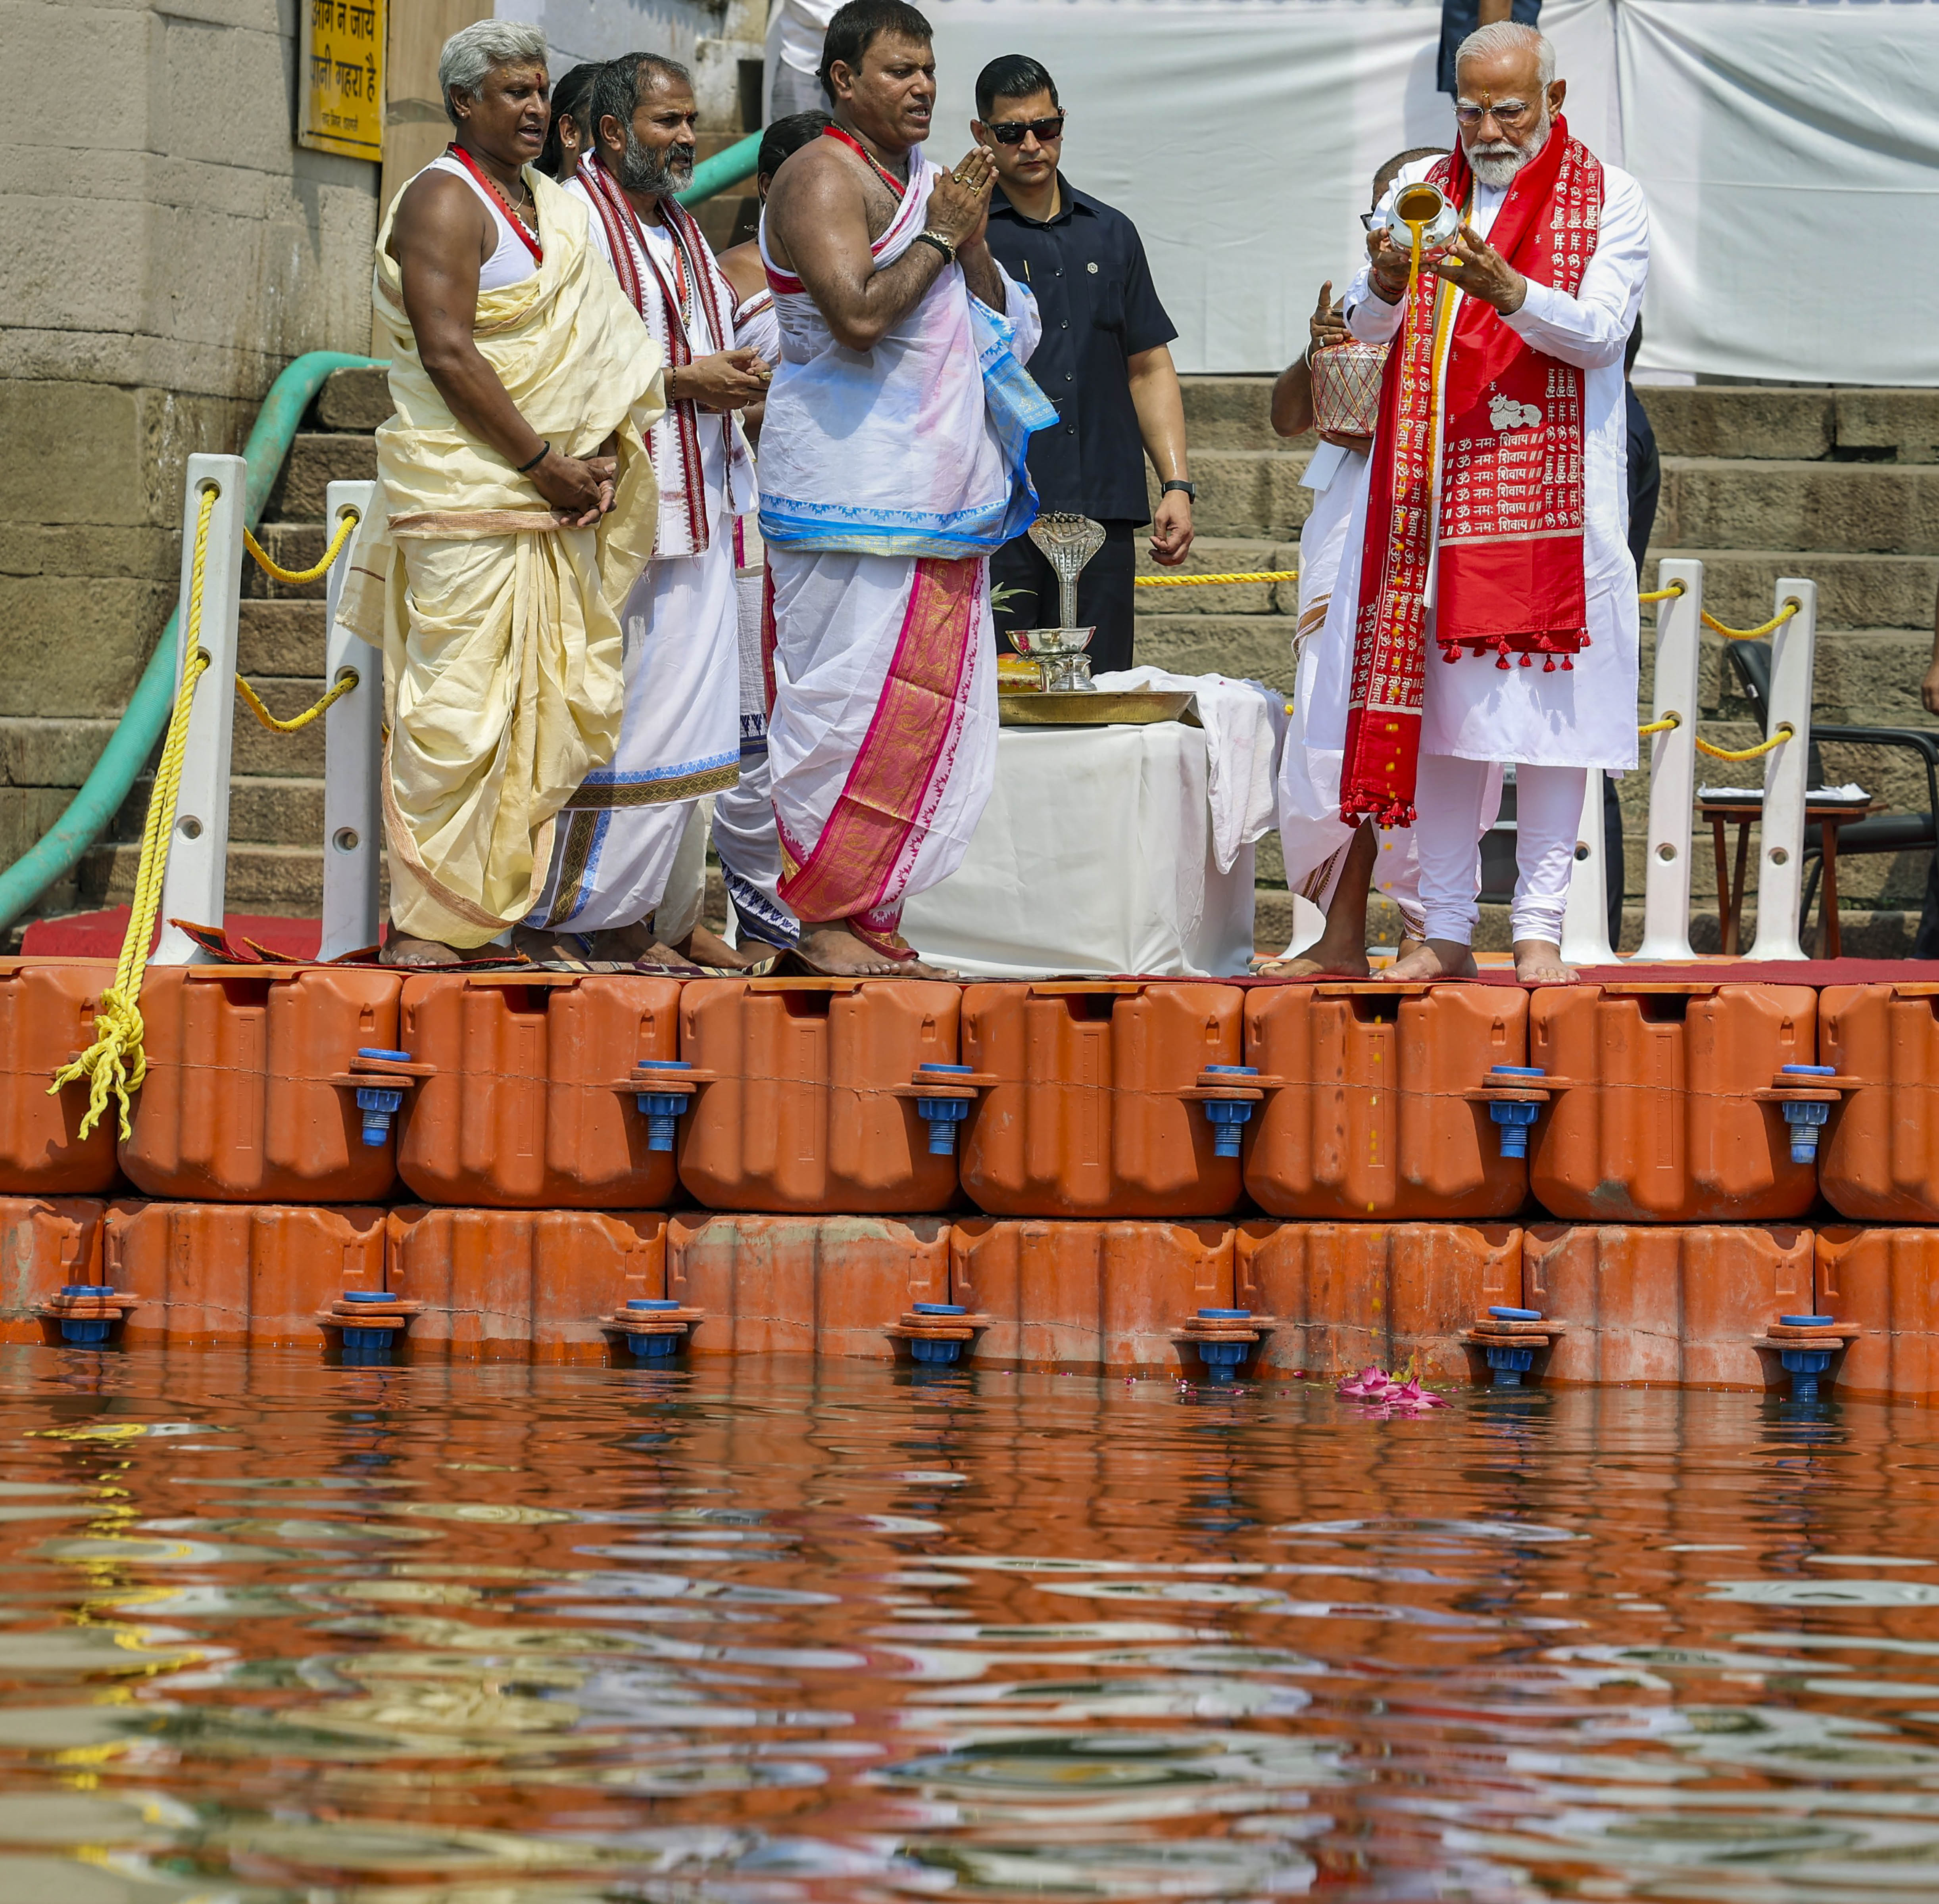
{"x": 724, "y": 168}
{"x": 128, "y": 746}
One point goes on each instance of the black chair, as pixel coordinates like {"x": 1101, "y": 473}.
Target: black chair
{"x": 1750, "y": 660}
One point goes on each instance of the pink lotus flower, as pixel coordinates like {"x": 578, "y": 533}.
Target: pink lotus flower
{"x": 1388, "y": 1394}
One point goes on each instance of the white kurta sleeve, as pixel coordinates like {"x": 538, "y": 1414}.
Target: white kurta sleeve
{"x": 1593, "y": 327}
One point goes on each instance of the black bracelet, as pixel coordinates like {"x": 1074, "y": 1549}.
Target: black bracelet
{"x": 545, "y": 450}
{"x": 938, "y": 242}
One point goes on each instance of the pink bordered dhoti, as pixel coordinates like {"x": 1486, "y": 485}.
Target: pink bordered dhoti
{"x": 883, "y": 730}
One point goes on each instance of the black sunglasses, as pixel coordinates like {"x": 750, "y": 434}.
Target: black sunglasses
{"x": 1010, "y": 132}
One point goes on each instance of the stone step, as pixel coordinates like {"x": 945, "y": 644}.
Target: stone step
{"x": 1225, "y": 555}
{"x": 293, "y": 546}
{"x": 1788, "y": 424}
{"x": 257, "y": 749}
{"x": 282, "y": 638}
{"x": 1246, "y": 492}
{"x": 1853, "y": 591}
{"x": 1249, "y": 647}
{"x": 1777, "y": 421}
{"x": 1846, "y": 508}
{"x": 317, "y": 458}
{"x": 283, "y": 879}
{"x": 265, "y": 810}
{"x": 1225, "y": 412}
{"x": 354, "y": 399}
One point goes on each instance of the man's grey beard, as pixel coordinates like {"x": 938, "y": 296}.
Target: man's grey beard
{"x": 655, "y": 174}
{"x": 1495, "y": 163}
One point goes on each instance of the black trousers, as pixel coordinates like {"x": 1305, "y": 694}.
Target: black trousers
{"x": 1105, "y": 596}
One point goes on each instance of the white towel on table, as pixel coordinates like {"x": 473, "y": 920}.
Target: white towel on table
{"x": 1244, "y": 724}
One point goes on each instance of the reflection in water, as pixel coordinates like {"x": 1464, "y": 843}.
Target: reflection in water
{"x": 768, "y": 1631}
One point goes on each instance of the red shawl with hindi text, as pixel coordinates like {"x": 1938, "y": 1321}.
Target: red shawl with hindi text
{"x": 1507, "y": 559}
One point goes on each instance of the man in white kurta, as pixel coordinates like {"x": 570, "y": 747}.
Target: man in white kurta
{"x": 1482, "y": 700}
{"x": 618, "y": 839}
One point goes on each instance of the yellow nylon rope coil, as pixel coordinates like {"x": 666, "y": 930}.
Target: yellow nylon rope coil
{"x": 1669, "y": 594}
{"x": 346, "y": 528}
{"x": 348, "y": 679}
{"x": 114, "y": 1064}
{"x": 1206, "y": 581}
{"x": 1785, "y": 732}
{"x": 1777, "y": 621}
{"x": 1663, "y": 726}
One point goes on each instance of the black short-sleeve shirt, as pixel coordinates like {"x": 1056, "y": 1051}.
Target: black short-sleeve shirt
{"x": 1099, "y": 307}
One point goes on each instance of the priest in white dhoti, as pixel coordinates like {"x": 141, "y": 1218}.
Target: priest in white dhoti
{"x": 743, "y": 816}
{"x": 618, "y": 839}
{"x": 892, "y": 465}
{"x": 1493, "y": 604}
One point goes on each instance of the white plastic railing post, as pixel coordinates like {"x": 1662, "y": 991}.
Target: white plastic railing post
{"x": 353, "y": 826}
{"x": 1673, "y": 766}
{"x": 1585, "y": 924}
{"x": 198, "y": 848}
{"x": 1786, "y": 772}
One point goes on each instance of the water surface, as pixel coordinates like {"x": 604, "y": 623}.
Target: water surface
{"x": 774, "y": 1630}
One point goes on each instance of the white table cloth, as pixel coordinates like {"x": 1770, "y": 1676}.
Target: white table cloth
{"x": 1094, "y": 856}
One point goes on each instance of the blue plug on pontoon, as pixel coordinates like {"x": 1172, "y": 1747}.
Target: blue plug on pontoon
{"x": 1228, "y": 1117}
{"x": 379, "y": 1103}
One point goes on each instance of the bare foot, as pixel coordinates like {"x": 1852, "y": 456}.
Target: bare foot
{"x": 703, "y": 947}
{"x": 833, "y": 950}
{"x": 420, "y": 954}
{"x": 1331, "y": 955}
{"x": 1538, "y": 962}
{"x": 545, "y": 947}
{"x": 1435, "y": 958}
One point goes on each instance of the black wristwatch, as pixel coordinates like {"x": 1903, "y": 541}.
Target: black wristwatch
{"x": 1191, "y": 489}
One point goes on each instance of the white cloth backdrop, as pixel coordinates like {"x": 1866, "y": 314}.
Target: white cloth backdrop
{"x": 1785, "y": 149}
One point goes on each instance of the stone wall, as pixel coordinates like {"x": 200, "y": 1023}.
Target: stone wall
{"x": 170, "y": 249}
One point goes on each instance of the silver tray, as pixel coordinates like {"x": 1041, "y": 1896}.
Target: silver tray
{"x": 1099, "y": 707}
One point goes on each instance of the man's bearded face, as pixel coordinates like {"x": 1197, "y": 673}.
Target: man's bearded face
{"x": 1496, "y": 159}
{"x": 656, "y": 172}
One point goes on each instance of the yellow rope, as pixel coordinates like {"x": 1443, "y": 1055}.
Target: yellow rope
{"x": 1663, "y": 726}
{"x": 346, "y": 682}
{"x": 345, "y": 527}
{"x": 1777, "y": 621}
{"x": 1785, "y": 732}
{"x": 1203, "y": 581}
{"x": 115, "y": 1064}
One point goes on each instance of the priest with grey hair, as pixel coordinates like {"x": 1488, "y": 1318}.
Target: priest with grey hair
{"x": 515, "y": 506}
{"x": 1487, "y": 606}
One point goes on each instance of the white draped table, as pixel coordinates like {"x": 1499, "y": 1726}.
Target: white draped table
{"x": 1094, "y": 856}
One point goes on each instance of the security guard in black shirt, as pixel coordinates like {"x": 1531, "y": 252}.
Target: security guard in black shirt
{"x": 1103, "y": 362}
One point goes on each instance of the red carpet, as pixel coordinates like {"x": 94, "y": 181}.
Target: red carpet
{"x": 99, "y": 934}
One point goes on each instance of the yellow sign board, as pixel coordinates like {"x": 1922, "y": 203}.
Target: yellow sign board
{"x": 342, "y": 77}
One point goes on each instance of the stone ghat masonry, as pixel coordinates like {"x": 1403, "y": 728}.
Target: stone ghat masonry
{"x": 166, "y": 259}
{"x": 1689, "y": 1305}
{"x": 1637, "y": 1100}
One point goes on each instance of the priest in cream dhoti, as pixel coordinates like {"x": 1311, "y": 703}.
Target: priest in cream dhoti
{"x": 515, "y": 505}
{"x": 892, "y": 465}
{"x": 1488, "y": 587}
{"x": 617, "y": 840}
